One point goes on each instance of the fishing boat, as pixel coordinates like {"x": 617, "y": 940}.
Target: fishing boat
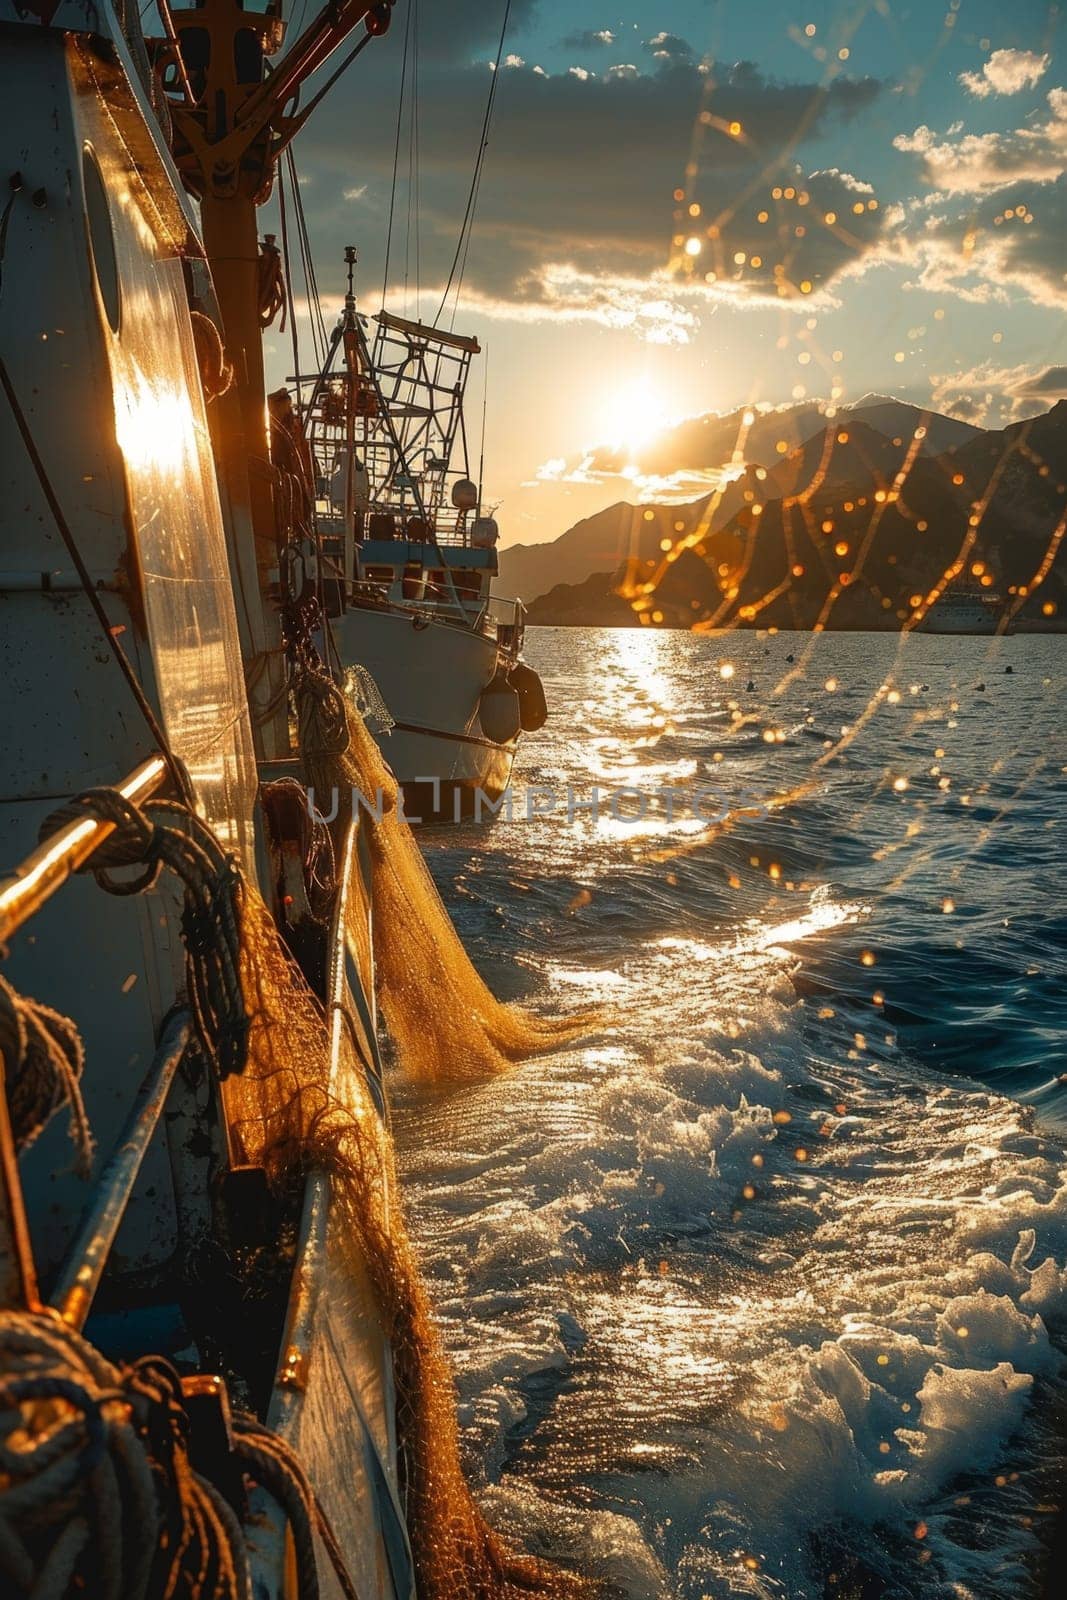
{"x": 409, "y": 558}
{"x": 966, "y": 610}
{"x": 209, "y": 1324}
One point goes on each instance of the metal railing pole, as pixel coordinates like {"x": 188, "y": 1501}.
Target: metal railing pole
{"x": 80, "y": 1275}
{"x": 51, "y": 864}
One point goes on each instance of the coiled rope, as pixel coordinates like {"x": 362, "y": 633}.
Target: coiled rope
{"x": 165, "y": 833}
{"x": 43, "y": 1062}
{"x": 96, "y": 1482}
{"x": 98, "y": 1493}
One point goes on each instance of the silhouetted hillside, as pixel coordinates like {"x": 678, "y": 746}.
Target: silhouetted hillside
{"x": 781, "y": 451}
{"x": 856, "y": 530}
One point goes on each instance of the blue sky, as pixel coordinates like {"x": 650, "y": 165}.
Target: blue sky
{"x": 896, "y": 137}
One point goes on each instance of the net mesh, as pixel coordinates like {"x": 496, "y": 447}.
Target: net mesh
{"x": 446, "y": 1025}
{"x": 284, "y": 1115}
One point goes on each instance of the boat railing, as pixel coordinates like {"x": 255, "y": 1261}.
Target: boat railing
{"x": 353, "y": 1045}
{"x": 47, "y": 868}
{"x": 353, "y": 1023}
{"x": 508, "y": 620}
{"x": 22, "y": 894}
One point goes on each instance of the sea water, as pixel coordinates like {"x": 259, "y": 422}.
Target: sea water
{"x": 761, "y": 1290}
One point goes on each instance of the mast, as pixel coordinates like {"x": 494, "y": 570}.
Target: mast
{"x": 352, "y": 367}
{"x": 232, "y": 119}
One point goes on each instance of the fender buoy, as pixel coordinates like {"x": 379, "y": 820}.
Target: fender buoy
{"x": 533, "y": 708}
{"x": 499, "y": 710}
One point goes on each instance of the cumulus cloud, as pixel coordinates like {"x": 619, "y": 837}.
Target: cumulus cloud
{"x": 575, "y": 207}
{"x": 668, "y": 46}
{"x": 992, "y": 396}
{"x": 1006, "y": 72}
{"x": 970, "y": 163}
{"x": 589, "y": 39}
{"x": 452, "y": 30}
{"x": 1010, "y": 241}
{"x": 790, "y": 242}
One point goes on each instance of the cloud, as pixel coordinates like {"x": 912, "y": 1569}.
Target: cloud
{"x": 668, "y": 46}
{"x": 453, "y": 30}
{"x": 607, "y": 466}
{"x": 992, "y": 396}
{"x": 575, "y": 212}
{"x": 1006, "y": 72}
{"x": 972, "y": 163}
{"x": 1008, "y": 241}
{"x": 559, "y": 292}
{"x": 589, "y": 39}
{"x": 1048, "y": 384}
{"x": 793, "y": 242}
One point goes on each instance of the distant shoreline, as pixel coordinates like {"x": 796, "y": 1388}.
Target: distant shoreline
{"x": 1053, "y": 626}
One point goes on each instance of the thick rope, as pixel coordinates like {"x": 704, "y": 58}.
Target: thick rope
{"x": 97, "y": 1490}
{"x": 43, "y": 1062}
{"x": 165, "y": 833}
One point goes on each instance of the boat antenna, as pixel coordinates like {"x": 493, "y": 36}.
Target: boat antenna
{"x": 481, "y": 445}
{"x": 466, "y": 226}
{"x": 413, "y": 217}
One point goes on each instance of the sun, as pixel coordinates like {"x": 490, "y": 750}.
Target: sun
{"x": 632, "y": 414}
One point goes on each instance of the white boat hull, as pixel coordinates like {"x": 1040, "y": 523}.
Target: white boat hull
{"x": 955, "y": 613}
{"x": 431, "y": 675}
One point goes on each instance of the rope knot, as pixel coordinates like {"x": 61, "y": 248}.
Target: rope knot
{"x": 324, "y": 727}
{"x": 133, "y": 842}
{"x": 166, "y": 833}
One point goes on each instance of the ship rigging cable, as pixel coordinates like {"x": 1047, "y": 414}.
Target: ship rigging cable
{"x": 396, "y": 154}
{"x": 177, "y": 772}
{"x": 319, "y": 336}
{"x": 459, "y": 260}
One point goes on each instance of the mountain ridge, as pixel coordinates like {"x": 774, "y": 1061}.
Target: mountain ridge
{"x": 855, "y": 530}
{"x": 602, "y": 540}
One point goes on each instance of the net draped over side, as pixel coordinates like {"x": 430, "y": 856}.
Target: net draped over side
{"x": 446, "y": 1024}
{"x": 285, "y": 1116}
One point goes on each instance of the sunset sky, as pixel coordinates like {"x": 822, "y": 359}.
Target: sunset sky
{"x": 920, "y": 148}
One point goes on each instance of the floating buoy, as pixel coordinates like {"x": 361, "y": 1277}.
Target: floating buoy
{"x": 790, "y": 657}
{"x": 750, "y": 686}
{"x": 979, "y": 688}
{"x": 1009, "y": 668}
{"x": 499, "y": 710}
{"x": 533, "y": 708}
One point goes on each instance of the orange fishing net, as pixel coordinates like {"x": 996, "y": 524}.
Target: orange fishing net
{"x": 445, "y": 1023}
{"x": 286, "y": 1115}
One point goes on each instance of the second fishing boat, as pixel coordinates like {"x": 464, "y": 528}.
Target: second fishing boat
{"x": 411, "y": 557}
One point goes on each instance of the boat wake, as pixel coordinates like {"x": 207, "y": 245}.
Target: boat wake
{"x": 747, "y": 1297}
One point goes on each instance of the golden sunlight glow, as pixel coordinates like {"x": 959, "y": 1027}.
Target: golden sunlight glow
{"x": 154, "y": 426}
{"x": 633, "y": 414}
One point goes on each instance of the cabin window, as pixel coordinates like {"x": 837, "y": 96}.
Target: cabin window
{"x": 101, "y": 238}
